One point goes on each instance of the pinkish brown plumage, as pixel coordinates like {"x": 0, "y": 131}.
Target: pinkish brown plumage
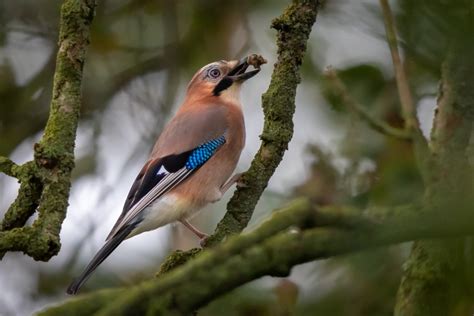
{"x": 192, "y": 161}
{"x": 224, "y": 160}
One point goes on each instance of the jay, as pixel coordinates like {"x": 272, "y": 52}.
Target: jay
{"x": 192, "y": 161}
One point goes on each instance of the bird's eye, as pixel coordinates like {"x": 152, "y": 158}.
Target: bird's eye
{"x": 214, "y": 73}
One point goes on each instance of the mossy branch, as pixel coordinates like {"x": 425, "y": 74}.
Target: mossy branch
{"x": 296, "y": 234}
{"x": 45, "y": 182}
{"x": 7, "y": 166}
{"x": 27, "y": 199}
{"x": 278, "y": 103}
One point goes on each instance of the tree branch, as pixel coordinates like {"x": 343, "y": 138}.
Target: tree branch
{"x": 26, "y": 201}
{"x": 378, "y": 125}
{"x": 406, "y": 99}
{"x": 296, "y": 234}
{"x": 7, "y": 166}
{"x": 46, "y": 181}
{"x": 434, "y": 278}
{"x": 278, "y": 103}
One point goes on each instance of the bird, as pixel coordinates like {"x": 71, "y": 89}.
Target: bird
{"x": 191, "y": 163}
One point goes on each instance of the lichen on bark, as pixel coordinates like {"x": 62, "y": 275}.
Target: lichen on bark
{"x": 45, "y": 181}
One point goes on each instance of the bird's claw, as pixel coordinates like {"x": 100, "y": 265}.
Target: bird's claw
{"x": 203, "y": 240}
{"x": 239, "y": 181}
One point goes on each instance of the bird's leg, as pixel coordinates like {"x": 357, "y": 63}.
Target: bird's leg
{"x": 196, "y": 231}
{"x": 236, "y": 178}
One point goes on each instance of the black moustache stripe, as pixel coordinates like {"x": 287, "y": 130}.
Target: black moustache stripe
{"x": 225, "y": 83}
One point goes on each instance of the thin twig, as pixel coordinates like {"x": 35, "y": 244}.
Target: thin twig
{"x": 378, "y": 125}
{"x": 406, "y": 99}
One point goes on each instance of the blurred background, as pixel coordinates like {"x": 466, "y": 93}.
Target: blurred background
{"x": 142, "y": 54}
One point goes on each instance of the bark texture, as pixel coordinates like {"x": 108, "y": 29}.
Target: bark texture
{"x": 433, "y": 282}
{"x": 45, "y": 181}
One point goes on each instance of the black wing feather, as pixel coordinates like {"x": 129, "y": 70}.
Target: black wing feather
{"x": 145, "y": 180}
{"x": 150, "y": 175}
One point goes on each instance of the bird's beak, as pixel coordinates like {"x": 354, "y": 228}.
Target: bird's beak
{"x": 238, "y": 74}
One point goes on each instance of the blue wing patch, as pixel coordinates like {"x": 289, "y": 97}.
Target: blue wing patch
{"x": 203, "y": 152}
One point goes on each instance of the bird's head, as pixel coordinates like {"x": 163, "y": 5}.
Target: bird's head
{"x": 223, "y": 79}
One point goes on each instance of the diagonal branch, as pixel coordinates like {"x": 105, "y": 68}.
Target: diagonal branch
{"x": 297, "y": 234}
{"x": 406, "y": 99}
{"x": 378, "y": 125}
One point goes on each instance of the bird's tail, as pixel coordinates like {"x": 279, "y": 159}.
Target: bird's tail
{"x": 103, "y": 253}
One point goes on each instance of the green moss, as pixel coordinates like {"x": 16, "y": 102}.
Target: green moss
{"x": 46, "y": 181}
{"x": 7, "y": 166}
{"x": 176, "y": 259}
{"x": 271, "y": 249}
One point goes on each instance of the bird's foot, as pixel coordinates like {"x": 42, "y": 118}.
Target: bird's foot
{"x": 203, "y": 241}
{"x": 240, "y": 183}
{"x": 237, "y": 179}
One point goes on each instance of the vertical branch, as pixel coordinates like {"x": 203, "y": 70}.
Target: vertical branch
{"x": 406, "y": 99}
{"x": 54, "y": 154}
{"x": 412, "y": 126}
{"x": 434, "y": 279}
